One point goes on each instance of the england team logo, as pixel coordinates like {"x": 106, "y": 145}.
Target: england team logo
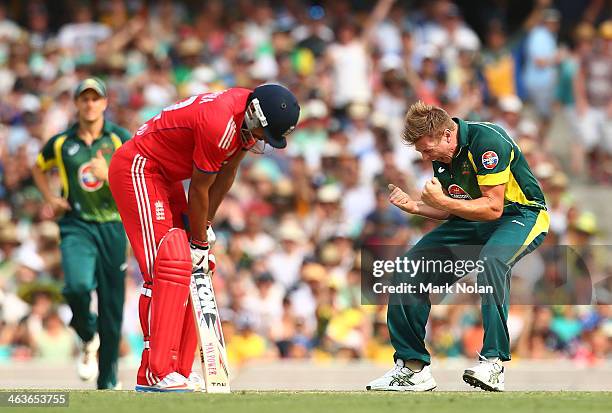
{"x": 87, "y": 180}
{"x": 160, "y": 214}
{"x": 489, "y": 159}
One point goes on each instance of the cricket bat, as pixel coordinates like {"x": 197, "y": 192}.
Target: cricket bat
{"x": 208, "y": 325}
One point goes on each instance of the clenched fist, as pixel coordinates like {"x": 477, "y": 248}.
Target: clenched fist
{"x": 59, "y": 205}
{"x": 402, "y": 200}
{"x": 432, "y": 194}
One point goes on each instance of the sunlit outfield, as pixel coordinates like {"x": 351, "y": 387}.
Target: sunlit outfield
{"x": 352, "y": 402}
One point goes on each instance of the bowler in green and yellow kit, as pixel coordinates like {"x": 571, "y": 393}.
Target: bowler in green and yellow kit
{"x": 493, "y": 208}
{"x": 93, "y": 241}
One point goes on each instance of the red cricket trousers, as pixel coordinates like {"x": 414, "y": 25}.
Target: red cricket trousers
{"x": 149, "y": 206}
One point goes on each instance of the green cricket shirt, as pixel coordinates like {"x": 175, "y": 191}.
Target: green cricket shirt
{"x": 89, "y": 198}
{"x": 488, "y": 156}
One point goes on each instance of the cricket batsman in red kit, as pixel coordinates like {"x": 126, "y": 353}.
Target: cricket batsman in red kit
{"x": 204, "y": 138}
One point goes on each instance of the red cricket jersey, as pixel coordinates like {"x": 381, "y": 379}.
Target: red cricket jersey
{"x": 203, "y": 130}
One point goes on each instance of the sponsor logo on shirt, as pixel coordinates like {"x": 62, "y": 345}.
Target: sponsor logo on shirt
{"x": 489, "y": 159}
{"x": 87, "y": 181}
{"x": 456, "y": 192}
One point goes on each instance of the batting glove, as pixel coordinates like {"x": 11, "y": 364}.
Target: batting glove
{"x": 199, "y": 255}
{"x": 210, "y": 234}
{"x": 212, "y": 263}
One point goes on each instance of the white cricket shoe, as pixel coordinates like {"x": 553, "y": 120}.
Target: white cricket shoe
{"x": 401, "y": 378}
{"x": 487, "y": 374}
{"x": 197, "y": 382}
{"x": 87, "y": 363}
{"x": 172, "y": 383}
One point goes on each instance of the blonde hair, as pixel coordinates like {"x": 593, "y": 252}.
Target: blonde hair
{"x": 422, "y": 119}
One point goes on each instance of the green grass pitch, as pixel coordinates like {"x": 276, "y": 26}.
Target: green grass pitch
{"x": 336, "y": 402}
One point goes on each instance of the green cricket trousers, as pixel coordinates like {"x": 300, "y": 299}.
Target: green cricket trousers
{"x": 93, "y": 258}
{"x": 498, "y": 245}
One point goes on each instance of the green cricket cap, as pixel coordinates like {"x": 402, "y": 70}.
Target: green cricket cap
{"x": 93, "y": 83}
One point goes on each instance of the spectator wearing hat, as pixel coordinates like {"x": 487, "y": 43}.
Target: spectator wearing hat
{"x": 250, "y": 345}
{"x": 540, "y": 72}
{"x": 48, "y": 243}
{"x": 498, "y": 63}
{"x": 454, "y": 35}
{"x": 305, "y": 293}
{"x": 81, "y": 36}
{"x": 265, "y": 302}
{"x": 285, "y": 262}
{"x": 583, "y": 41}
{"x": 500, "y": 57}
{"x": 558, "y": 202}
{"x": 12, "y": 308}
{"x": 357, "y": 194}
{"x": 510, "y": 108}
{"x": 326, "y": 217}
{"x": 430, "y": 85}
{"x": 593, "y": 88}
{"x": 349, "y": 60}
{"x": 314, "y": 34}
{"x": 310, "y": 139}
{"x": 254, "y": 242}
{"x": 53, "y": 343}
{"x": 27, "y": 267}
{"x": 93, "y": 241}
{"x": 189, "y": 51}
{"x": 60, "y": 110}
{"x": 42, "y": 298}
{"x": 582, "y": 229}
{"x": 285, "y": 330}
{"x": 9, "y": 242}
{"x": 583, "y": 259}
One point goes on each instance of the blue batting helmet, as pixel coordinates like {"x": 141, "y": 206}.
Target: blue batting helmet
{"x": 276, "y": 110}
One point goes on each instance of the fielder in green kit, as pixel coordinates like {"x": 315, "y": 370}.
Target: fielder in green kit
{"x": 485, "y": 192}
{"x": 93, "y": 241}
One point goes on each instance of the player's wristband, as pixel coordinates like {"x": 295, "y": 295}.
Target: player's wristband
{"x": 201, "y": 245}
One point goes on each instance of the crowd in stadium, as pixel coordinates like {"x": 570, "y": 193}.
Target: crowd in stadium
{"x": 289, "y": 232}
